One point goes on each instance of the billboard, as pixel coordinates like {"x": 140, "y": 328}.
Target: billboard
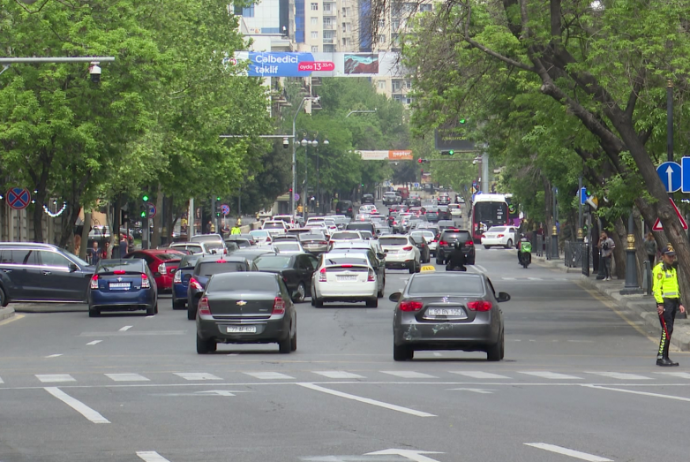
{"x": 386, "y": 155}
{"x": 299, "y": 64}
{"x": 446, "y": 139}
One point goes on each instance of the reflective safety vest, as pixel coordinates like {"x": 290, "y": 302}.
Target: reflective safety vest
{"x": 665, "y": 283}
{"x": 235, "y": 230}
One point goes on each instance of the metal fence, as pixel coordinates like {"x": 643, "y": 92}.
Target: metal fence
{"x": 575, "y": 253}
{"x": 540, "y": 246}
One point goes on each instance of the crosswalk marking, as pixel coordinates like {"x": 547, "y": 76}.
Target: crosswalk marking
{"x": 52, "y": 378}
{"x": 151, "y": 456}
{"x": 269, "y": 375}
{"x": 339, "y": 375}
{"x": 127, "y": 377}
{"x": 197, "y": 376}
{"x": 1, "y": 380}
{"x": 410, "y": 374}
{"x": 550, "y": 375}
{"x": 621, "y": 375}
{"x": 480, "y": 375}
{"x": 535, "y": 279}
{"x": 681, "y": 375}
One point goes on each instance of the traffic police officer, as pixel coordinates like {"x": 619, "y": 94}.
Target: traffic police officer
{"x": 667, "y": 296}
{"x": 236, "y": 229}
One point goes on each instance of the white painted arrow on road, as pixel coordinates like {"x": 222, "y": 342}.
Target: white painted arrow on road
{"x": 410, "y": 454}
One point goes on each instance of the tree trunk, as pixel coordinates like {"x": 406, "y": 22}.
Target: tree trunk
{"x": 85, "y": 235}
{"x": 170, "y": 218}
{"x": 156, "y": 238}
{"x": 40, "y": 198}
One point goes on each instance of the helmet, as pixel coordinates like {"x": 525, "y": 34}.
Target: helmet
{"x": 239, "y": 222}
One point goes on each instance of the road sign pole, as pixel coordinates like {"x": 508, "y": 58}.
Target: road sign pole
{"x": 583, "y": 194}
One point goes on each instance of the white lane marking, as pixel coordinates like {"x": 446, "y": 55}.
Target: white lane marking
{"x": 269, "y": 375}
{"x": 509, "y": 279}
{"x": 361, "y": 399}
{"x": 568, "y": 452}
{"x": 95, "y": 342}
{"x": 479, "y": 375}
{"x": 473, "y": 390}
{"x": 49, "y": 378}
{"x": 151, "y": 317}
{"x": 126, "y": 328}
{"x": 151, "y": 456}
{"x": 197, "y": 376}
{"x": 535, "y": 279}
{"x": 54, "y": 356}
{"x": 1, "y": 380}
{"x": 77, "y": 405}
{"x": 550, "y": 375}
{"x": 643, "y": 393}
{"x": 620, "y": 375}
{"x": 409, "y": 454}
{"x": 233, "y": 354}
{"x": 409, "y": 374}
{"x": 437, "y": 354}
{"x": 339, "y": 375}
{"x": 682, "y": 375}
{"x": 127, "y": 377}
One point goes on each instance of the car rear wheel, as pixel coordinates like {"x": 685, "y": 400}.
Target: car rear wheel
{"x": 487, "y": 247}
{"x": 299, "y": 293}
{"x": 439, "y": 260}
{"x": 205, "y": 346}
{"x": 497, "y": 351}
{"x": 379, "y": 294}
{"x": 417, "y": 267}
{"x": 94, "y": 312}
{"x": 4, "y": 301}
{"x": 318, "y": 302}
{"x": 151, "y": 310}
{"x": 285, "y": 346}
{"x": 402, "y": 353}
{"x": 509, "y": 244}
{"x": 293, "y": 343}
{"x": 191, "y": 313}
{"x": 178, "y": 304}
{"x": 373, "y": 303}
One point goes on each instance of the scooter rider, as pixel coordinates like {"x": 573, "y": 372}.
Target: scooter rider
{"x": 519, "y": 247}
{"x": 456, "y": 259}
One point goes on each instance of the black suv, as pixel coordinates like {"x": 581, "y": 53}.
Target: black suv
{"x": 367, "y": 199}
{"x": 447, "y": 241}
{"x": 34, "y": 272}
{"x": 390, "y": 198}
{"x": 443, "y": 199}
{"x": 344, "y": 208}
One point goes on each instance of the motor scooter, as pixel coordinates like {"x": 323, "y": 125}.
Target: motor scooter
{"x": 525, "y": 252}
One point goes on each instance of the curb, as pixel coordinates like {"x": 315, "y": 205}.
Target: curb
{"x": 6, "y": 312}
{"x": 50, "y": 308}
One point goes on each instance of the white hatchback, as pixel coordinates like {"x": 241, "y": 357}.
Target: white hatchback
{"x": 275, "y": 226}
{"x": 504, "y": 236}
{"x": 346, "y": 278}
{"x": 401, "y": 252}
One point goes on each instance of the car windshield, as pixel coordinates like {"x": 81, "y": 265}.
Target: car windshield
{"x": 345, "y": 236}
{"x": 189, "y": 261}
{"x": 221, "y": 266}
{"x": 497, "y": 229}
{"x": 259, "y": 234}
{"x": 393, "y": 241}
{"x": 108, "y": 266}
{"x": 467, "y": 285}
{"x": 272, "y": 262}
{"x": 287, "y": 246}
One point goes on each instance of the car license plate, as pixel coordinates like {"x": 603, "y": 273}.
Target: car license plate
{"x": 119, "y": 286}
{"x": 241, "y": 329}
{"x": 347, "y": 278}
{"x": 446, "y": 312}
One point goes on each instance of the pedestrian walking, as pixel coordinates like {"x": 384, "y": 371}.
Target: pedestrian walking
{"x": 106, "y": 248}
{"x": 606, "y": 246}
{"x": 651, "y": 248}
{"x": 124, "y": 245}
{"x": 93, "y": 254}
{"x": 667, "y": 295}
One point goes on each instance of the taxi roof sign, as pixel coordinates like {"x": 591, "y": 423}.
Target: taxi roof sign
{"x": 428, "y": 269}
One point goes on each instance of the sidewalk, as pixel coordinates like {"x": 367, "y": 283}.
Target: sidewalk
{"x": 638, "y": 306}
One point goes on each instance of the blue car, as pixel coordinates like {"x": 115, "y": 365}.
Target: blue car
{"x": 122, "y": 285}
{"x": 181, "y": 280}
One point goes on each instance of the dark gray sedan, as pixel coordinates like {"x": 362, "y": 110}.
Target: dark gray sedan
{"x": 314, "y": 243}
{"x": 248, "y": 307}
{"x": 448, "y": 311}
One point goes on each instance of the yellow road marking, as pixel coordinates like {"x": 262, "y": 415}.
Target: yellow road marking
{"x": 16, "y": 317}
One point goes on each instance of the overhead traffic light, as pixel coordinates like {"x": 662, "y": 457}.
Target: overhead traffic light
{"x": 218, "y": 211}
{"x": 124, "y": 217}
{"x": 448, "y": 153}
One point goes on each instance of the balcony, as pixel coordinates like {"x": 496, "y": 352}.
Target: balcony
{"x": 328, "y": 40}
{"x": 331, "y": 26}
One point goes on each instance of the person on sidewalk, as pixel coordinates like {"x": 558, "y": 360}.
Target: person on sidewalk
{"x": 667, "y": 295}
{"x": 650, "y": 248}
{"x": 606, "y": 245}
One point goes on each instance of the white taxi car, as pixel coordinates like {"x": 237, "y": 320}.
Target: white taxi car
{"x": 401, "y": 252}
{"x": 346, "y": 277}
{"x": 504, "y": 236}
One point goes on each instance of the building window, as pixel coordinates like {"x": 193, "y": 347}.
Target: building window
{"x": 398, "y": 98}
{"x": 397, "y": 85}
{"x": 382, "y": 23}
{"x": 315, "y": 49}
{"x": 382, "y": 38}
{"x": 395, "y": 24}
{"x": 424, "y": 8}
{"x": 314, "y": 34}
{"x": 327, "y": 22}
{"x": 344, "y": 12}
{"x": 408, "y": 84}
{"x": 314, "y": 21}
{"x": 315, "y": 7}
{"x": 246, "y": 12}
{"x": 381, "y": 84}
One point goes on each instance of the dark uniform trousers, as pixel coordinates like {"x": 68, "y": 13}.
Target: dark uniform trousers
{"x": 671, "y": 306}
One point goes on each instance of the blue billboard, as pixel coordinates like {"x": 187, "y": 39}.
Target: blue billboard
{"x": 278, "y": 64}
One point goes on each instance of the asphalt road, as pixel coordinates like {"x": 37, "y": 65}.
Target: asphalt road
{"x": 578, "y": 383}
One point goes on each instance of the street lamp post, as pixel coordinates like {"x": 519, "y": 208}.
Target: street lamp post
{"x": 294, "y": 153}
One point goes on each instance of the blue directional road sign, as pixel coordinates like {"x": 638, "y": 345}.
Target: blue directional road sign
{"x": 583, "y": 195}
{"x": 685, "y": 174}
{"x": 671, "y": 175}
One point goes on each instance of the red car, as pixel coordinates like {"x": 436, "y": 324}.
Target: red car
{"x": 162, "y": 262}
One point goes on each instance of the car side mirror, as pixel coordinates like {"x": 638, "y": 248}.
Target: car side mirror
{"x": 395, "y": 297}
{"x": 503, "y": 297}
{"x": 73, "y": 268}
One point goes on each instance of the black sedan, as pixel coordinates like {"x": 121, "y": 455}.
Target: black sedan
{"x": 295, "y": 270}
{"x": 204, "y": 269}
{"x": 248, "y": 307}
{"x": 448, "y": 311}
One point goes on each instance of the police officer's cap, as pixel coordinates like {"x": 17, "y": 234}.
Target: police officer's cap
{"x": 669, "y": 251}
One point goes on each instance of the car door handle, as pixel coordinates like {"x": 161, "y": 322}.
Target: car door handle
{"x": 7, "y": 271}
{"x": 46, "y": 273}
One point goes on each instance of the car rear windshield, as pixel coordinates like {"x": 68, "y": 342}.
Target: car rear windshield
{"x": 258, "y": 233}
{"x": 334, "y": 260}
{"x": 272, "y": 263}
{"x": 447, "y": 284}
{"x": 248, "y": 282}
{"x": 214, "y": 245}
{"x": 393, "y": 241}
{"x": 290, "y": 246}
{"x": 210, "y": 268}
{"x": 273, "y": 226}
{"x": 365, "y": 234}
{"x": 456, "y": 236}
{"x": 426, "y": 234}
{"x": 189, "y": 261}
{"x": 337, "y": 236}
{"x": 108, "y": 266}
{"x": 170, "y": 256}
{"x": 358, "y": 226}
{"x": 497, "y": 229}
{"x": 312, "y": 237}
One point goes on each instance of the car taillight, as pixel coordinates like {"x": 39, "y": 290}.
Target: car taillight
{"x": 500, "y": 235}
{"x": 203, "y": 307}
{"x": 178, "y": 277}
{"x": 119, "y": 272}
{"x": 442, "y": 243}
{"x": 470, "y": 243}
{"x": 162, "y": 269}
{"x": 268, "y": 239}
{"x": 145, "y": 283}
{"x": 221, "y": 261}
{"x": 322, "y": 275}
{"x": 479, "y": 305}
{"x": 278, "y": 306}
{"x": 94, "y": 281}
{"x": 411, "y": 306}
{"x": 225, "y": 251}
{"x": 194, "y": 284}
{"x": 371, "y": 277}
{"x": 407, "y": 247}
